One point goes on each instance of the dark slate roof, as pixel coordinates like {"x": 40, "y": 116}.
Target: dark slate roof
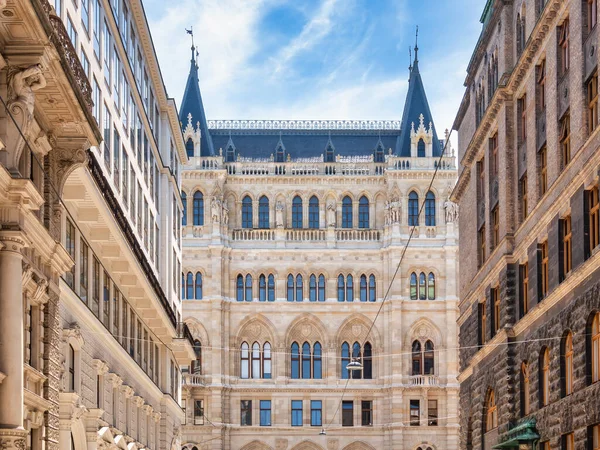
{"x": 416, "y": 104}
{"x": 192, "y": 104}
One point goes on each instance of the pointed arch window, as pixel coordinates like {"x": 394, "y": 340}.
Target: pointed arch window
{"x": 197, "y": 362}
{"x": 356, "y": 356}
{"x": 189, "y": 148}
{"x": 312, "y": 288}
{"x": 422, "y": 287}
{"x": 255, "y": 360}
{"x": 198, "y": 286}
{"x": 413, "y": 209}
{"x": 428, "y": 359}
{"x": 295, "y": 365}
{"x": 379, "y": 153}
{"x": 247, "y": 212}
{"x": 189, "y": 288}
{"x": 266, "y": 362}
{"x": 430, "y": 209}
{"x": 417, "y": 358}
{"x": 313, "y": 212}
{"x": 491, "y": 421}
{"x": 263, "y": 212}
{"x": 183, "y": 296}
{"x": 544, "y": 377}
{"x": 413, "y": 286}
{"x": 262, "y": 288}
{"x": 230, "y": 152}
{"x": 271, "y": 288}
{"x": 321, "y": 288}
{"x": 239, "y": 288}
{"x": 299, "y": 288}
{"x": 363, "y": 355}
{"x": 248, "y": 290}
{"x": 297, "y": 212}
{"x": 363, "y": 212}
{"x": 349, "y": 289}
{"x": 329, "y": 153}
{"x": 280, "y": 152}
{"x": 346, "y": 212}
{"x": 421, "y": 148}
{"x": 368, "y": 362}
{"x": 345, "y": 360}
{"x": 317, "y": 362}
{"x": 290, "y": 288}
{"x": 306, "y": 360}
{"x": 341, "y": 288}
{"x": 567, "y": 365}
{"x": 245, "y": 361}
{"x": 198, "y": 206}
{"x": 372, "y": 288}
{"x": 431, "y": 286}
{"x": 524, "y": 389}
{"x": 363, "y": 288}
{"x": 184, "y": 213}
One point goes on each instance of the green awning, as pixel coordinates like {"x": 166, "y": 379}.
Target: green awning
{"x": 523, "y": 432}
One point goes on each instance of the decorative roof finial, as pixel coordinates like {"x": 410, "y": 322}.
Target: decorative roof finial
{"x": 409, "y": 60}
{"x": 417, "y": 45}
{"x": 191, "y": 33}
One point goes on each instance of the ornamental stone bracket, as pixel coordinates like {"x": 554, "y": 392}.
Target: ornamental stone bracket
{"x": 99, "y": 366}
{"x": 127, "y": 391}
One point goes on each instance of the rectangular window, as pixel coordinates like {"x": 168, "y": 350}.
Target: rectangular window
{"x": 482, "y": 318}
{"x": 296, "y": 413}
{"x": 106, "y": 301}
{"x": 568, "y": 441}
{"x": 366, "y": 415}
{"x": 494, "y": 163}
{"x": 481, "y": 245}
{"x": 246, "y": 413}
{"x": 156, "y": 364}
{"x": 563, "y": 48}
{"x": 124, "y": 314}
{"x": 567, "y": 262}
{"x": 97, "y": 25}
{"x": 145, "y": 352}
{"x": 116, "y": 302}
{"x": 85, "y": 63}
{"x": 139, "y": 209}
{"x": 83, "y": 270}
{"x": 124, "y": 177}
{"x": 594, "y": 437}
{"x": 495, "y": 294}
{"x": 70, "y": 247}
{"x": 592, "y": 100}
{"x": 71, "y": 31}
{"x": 96, "y": 288}
{"x": 432, "y": 412}
{"x": 523, "y": 197}
{"x": 347, "y": 413}
{"x": 544, "y": 267}
{"x": 198, "y": 412}
{"x": 316, "y": 413}
{"x": 415, "y": 412}
{"x": 541, "y": 86}
{"x": 565, "y": 141}
{"x": 522, "y": 119}
{"x": 592, "y": 14}
{"x": 117, "y": 80}
{"x": 107, "y": 137}
{"x": 85, "y": 15}
{"x": 132, "y": 336}
{"x": 496, "y": 227}
{"x": 543, "y": 171}
{"x": 96, "y": 99}
{"x": 116, "y": 158}
{"x": 107, "y": 55}
{"x": 132, "y": 195}
{"x": 524, "y": 288}
{"x": 58, "y": 7}
{"x": 545, "y": 446}
{"x": 594, "y": 218}
{"x": 481, "y": 179}
{"x": 138, "y": 349}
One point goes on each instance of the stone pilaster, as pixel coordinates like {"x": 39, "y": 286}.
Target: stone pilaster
{"x": 52, "y": 369}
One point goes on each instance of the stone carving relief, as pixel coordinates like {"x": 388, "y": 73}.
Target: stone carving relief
{"x": 331, "y": 214}
{"x": 216, "y": 207}
{"x": 392, "y": 211}
{"x": 451, "y": 209}
{"x": 333, "y": 444}
{"x": 281, "y": 444}
{"x": 22, "y": 84}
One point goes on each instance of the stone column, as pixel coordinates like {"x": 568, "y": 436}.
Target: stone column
{"x": 12, "y": 434}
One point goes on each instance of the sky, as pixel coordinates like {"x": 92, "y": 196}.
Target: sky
{"x": 316, "y": 59}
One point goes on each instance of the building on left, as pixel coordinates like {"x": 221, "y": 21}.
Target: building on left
{"x": 90, "y": 243}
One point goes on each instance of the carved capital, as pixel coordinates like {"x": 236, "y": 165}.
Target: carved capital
{"x": 137, "y": 400}
{"x": 12, "y": 439}
{"x": 13, "y": 241}
{"x": 127, "y": 391}
{"x": 99, "y": 366}
{"x": 114, "y": 379}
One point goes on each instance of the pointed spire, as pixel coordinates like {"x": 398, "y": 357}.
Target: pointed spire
{"x": 416, "y": 46}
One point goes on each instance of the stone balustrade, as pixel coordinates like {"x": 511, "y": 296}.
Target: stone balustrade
{"x": 192, "y": 379}
{"x": 357, "y": 235}
{"x": 305, "y": 235}
{"x": 424, "y": 380}
{"x": 247, "y": 234}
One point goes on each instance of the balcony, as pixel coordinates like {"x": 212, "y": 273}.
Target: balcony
{"x": 424, "y": 380}
{"x": 327, "y": 237}
{"x": 193, "y": 380}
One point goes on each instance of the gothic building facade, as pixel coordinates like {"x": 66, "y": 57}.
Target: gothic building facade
{"x": 528, "y": 192}
{"x": 90, "y": 250}
{"x": 292, "y": 235}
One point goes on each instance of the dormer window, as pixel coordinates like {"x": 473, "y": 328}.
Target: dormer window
{"x": 421, "y": 148}
{"x": 379, "y": 155}
{"x": 189, "y": 148}
{"x": 329, "y": 151}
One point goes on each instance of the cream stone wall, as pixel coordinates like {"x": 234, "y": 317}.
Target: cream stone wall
{"x": 221, "y": 251}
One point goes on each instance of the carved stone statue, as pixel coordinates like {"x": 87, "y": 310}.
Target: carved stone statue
{"x": 331, "y": 214}
{"x": 23, "y": 83}
{"x": 387, "y": 213}
{"x": 215, "y": 210}
{"x": 395, "y": 210}
{"x": 451, "y": 211}
{"x": 224, "y": 213}
{"x": 279, "y": 215}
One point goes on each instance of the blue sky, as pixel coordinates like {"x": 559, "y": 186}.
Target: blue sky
{"x": 316, "y": 59}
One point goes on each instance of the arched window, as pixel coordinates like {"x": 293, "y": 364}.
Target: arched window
{"x": 71, "y": 380}
{"x": 290, "y": 288}
{"x": 198, "y": 287}
{"x": 413, "y": 209}
{"x": 341, "y": 288}
{"x": 266, "y": 363}
{"x": 544, "y": 377}
{"x": 430, "y": 209}
{"x": 321, "y": 288}
{"x": 184, "y": 213}
{"x": 567, "y": 365}
{"x": 306, "y": 360}
{"x": 422, "y": 289}
{"x": 248, "y": 293}
{"x": 271, "y": 288}
{"x": 198, "y": 208}
{"x": 189, "y": 286}
{"x": 189, "y": 148}
{"x": 299, "y": 288}
{"x": 431, "y": 286}
{"x": 262, "y": 288}
{"x": 356, "y": 356}
{"x": 239, "y": 288}
{"x": 297, "y": 212}
{"x": 372, "y": 289}
{"x": 363, "y": 212}
{"x": 346, "y": 212}
{"x": 349, "y": 289}
{"x": 491, "y": 417}
{"x": 263, "y": 212}
{"x": 245, "y": 361}
{"x": 594, "y": 348}
{"x": 524, "y": 389}
{"x": 313, "y": 212}
{"x": 363, "y": 288}
{"x": 345, "y": 360}
{"x": 421, "y": 148}
{"x": 295, "y": 367}
{"x": 428, "y": 359}
{"x": 182, "y": 287}
{"x": 368, "y": 362}
{"x": 312, "y": 288}
{"x": 256, "y": 360}
{"x": 247, "y": 212}
{"x": 417, "y": 358}
{"x": 413, "y": 286}
{"x": 197, "y": 362}
{"x": 317, "y": 362}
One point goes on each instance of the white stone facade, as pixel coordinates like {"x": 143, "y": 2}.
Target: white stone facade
{"x": 220, "y": 249}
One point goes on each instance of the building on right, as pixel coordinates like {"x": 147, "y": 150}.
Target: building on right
{"x": 529, "y": 229}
